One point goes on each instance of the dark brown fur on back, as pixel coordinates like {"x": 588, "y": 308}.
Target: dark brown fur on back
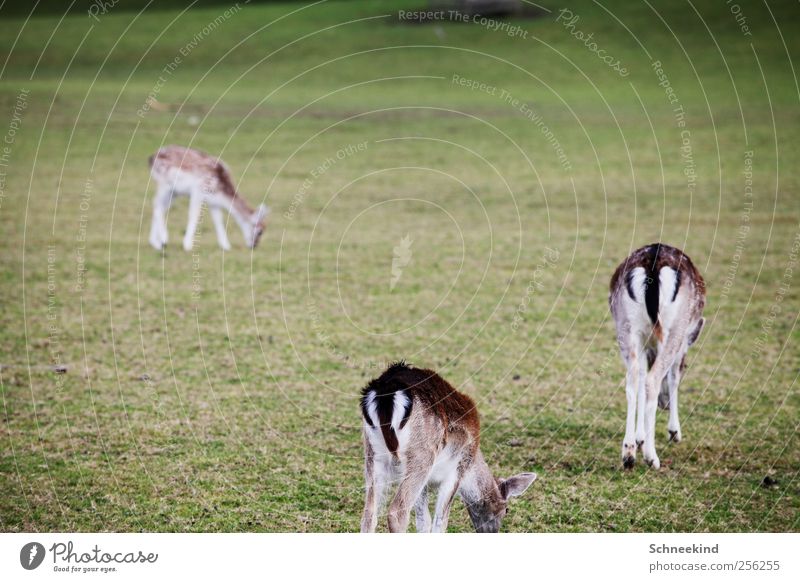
{"x": 426, "y": 389}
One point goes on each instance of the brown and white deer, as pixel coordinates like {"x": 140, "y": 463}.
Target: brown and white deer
{"x": 423, "y": 434}
{"x": 657, "y": 298}
{"x": 180, "y": 171}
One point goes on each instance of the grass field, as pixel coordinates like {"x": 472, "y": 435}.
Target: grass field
{"x": 212, "y": 391}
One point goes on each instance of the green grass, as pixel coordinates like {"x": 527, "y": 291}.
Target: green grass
{"x": 236, "y": 409}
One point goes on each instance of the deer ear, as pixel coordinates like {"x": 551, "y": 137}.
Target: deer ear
{"x": 516, "y": 485}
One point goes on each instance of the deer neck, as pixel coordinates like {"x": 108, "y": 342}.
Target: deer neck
{"x": 478, "y": 483}
{"x": 241, "y": 212}
{"x": 239, "y": 208}
{"x": 481, "y": 494}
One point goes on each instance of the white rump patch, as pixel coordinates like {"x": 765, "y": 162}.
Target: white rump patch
{"x": 638, "y": 278}
{"x": 667, "y": 308}
{"x": 668, "y": 282}
{"x": 374, "y": 432}
{"x": 372, "y": 409}
{"x": 399, "y": 410}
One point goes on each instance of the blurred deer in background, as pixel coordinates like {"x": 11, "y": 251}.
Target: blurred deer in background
{"x": 204, "y": 179}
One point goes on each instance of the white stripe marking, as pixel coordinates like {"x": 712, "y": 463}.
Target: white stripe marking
{"x": 372, "y": 409}
{"x": 668, "y": 280}
{"x": 638, "y": 282}
{"x": 400, "y": 402}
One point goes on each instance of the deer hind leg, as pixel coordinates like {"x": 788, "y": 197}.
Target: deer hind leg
{"x": 376, "y": 478}
{"x": 444, "y": 501}
{"x": 422, "y": 512}
{"x": 632, "y": 361}
{"x": 417, "y": 469}
{"x": 674, "y": 380}
{"x": 219, "y": 226}
{"x": 668, "y": 352}
{"x": 633, "y": 353}
{"x": 158, "y": 228}
{"x": 646, "y": 359}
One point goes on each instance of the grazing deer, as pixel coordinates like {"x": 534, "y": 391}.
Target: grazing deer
{"x": 657, "y": 298}
{"x": 204, "y": 178}
{"x": 421, "y": 432}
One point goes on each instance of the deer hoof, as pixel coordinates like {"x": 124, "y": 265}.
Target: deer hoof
{"x": 674, "y": 436}
{"x": 654, "y": 463}
{"x": 628, "y": 454}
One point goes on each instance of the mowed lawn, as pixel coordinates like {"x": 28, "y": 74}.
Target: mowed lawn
{"x": 212, "y": 391}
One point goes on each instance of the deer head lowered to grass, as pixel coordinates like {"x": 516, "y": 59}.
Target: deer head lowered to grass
{"x": 180, "y": 171}
{"x": 422, "y": 433}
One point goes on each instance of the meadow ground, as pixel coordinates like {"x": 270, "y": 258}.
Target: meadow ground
{"x": 212, "y": 391}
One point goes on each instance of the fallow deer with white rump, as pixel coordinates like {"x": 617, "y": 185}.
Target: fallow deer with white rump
{"x": 180, "y": 171}
{"x": 423, "y": 434}
{"x": 657, "y": 298}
